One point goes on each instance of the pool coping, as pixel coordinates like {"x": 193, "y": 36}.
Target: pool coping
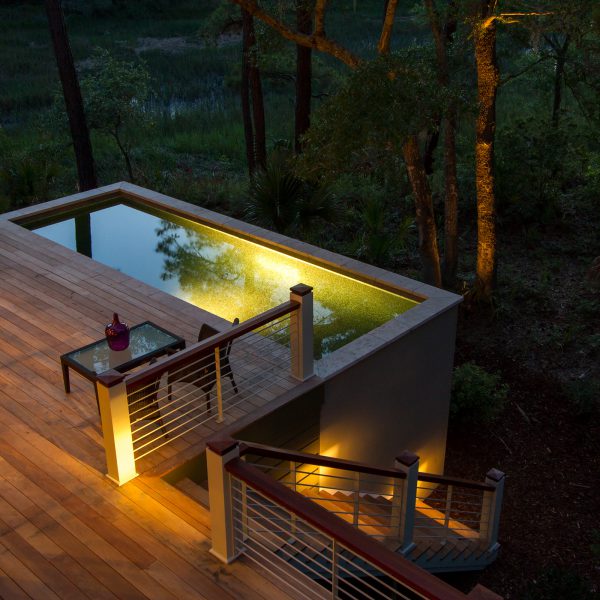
{"x": 432, "y": 301}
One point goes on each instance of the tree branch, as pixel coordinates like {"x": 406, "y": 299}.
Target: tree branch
{"x": 383, "y": 47}
{"x": 320, "y": 17}
{"x": 319, "y": 42}
{"x": 523, "y": 71}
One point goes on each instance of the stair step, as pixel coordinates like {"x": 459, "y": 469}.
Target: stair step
{"x": 193, "y": 490}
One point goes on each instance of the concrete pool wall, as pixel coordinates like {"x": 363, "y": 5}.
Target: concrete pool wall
{"x": 388, "y": 390}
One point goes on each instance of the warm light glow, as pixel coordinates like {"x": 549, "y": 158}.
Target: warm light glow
{"x": 277, "y": 266}
{"x": 332, "y": 451}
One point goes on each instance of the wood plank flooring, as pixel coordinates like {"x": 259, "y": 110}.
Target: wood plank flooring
{"x": 66, "y": 531}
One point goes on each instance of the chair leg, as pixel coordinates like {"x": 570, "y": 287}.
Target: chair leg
{"x": 207, "y": 397}
{"x": 230, "y": 375}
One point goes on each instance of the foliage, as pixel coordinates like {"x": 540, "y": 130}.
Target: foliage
{"x": 558, "y": 584}
{"x": 114, "y": 94}
{"x": 477, "y": 396}
{"x": 280, "y": 199}
{"x": 26, "y": 174}
{"x": 380, "y": 104}
{"x": 376, "y": 241}
{"x": 536, "y": 165}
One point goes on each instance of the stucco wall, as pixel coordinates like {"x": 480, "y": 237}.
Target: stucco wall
{"x": 397, "y": 398}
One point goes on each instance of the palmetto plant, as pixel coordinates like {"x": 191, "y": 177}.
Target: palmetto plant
{"x": 282, "y": 201}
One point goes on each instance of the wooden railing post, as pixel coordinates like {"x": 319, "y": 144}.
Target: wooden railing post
{"x": 408, "y": 463}
{"x": 220, "y": 494}
{"x": 301, "y": 332}
{"x": 490, "y": 511}
{"x": 116, "y": 426}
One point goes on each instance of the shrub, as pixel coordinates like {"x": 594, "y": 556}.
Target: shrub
{"x": 280, "y": 200}
{"x": 477, "y": 396}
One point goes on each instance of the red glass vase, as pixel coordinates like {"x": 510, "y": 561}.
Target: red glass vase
{"x": 117, "y": 334}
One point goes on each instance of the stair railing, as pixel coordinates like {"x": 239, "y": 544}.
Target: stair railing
{"x": 437, "y": 513}
{"x": 300, "y": 542}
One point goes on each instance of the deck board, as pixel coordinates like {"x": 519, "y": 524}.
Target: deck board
{"x": 66, "y": 531}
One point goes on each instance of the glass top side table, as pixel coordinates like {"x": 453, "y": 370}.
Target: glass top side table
{"x": 146, "y": 341}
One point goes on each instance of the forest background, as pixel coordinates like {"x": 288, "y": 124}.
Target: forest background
{"x": 163, "y": 87}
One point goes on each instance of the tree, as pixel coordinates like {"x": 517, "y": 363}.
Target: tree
{"x": 253, "y": 112}
{"x": 442, "y": 36}
{"x": 82, "y": 146}
{"x": 318, "y": 39}
{"x": 115, "y": 92}
{"x": 303, "y": 74}
{"x": 371, "y": 121}
{"x": 484, "y": 36}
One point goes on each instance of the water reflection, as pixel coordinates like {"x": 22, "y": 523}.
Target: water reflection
{"x": 236, "y": 278}
{"x": 224, "y": 274}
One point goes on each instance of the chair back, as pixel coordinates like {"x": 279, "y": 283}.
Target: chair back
{"x": 206, "y": 331}
{"x": 236, "y": 321}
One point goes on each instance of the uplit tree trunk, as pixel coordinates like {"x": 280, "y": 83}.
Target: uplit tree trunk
{"x": 82, "y": 146}
{"x": 303, "y": 74}
{"x": 428, "y": 246}
{"x": 253, "y": 112}
{"x": 487, "y": 88}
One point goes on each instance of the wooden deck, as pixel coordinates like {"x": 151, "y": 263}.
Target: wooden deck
{"x": 66, "y": 531}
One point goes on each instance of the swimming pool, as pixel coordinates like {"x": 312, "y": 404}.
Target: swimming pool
{"x": 222, "y": 273}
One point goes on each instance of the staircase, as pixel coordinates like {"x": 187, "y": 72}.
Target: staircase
{"x": 332, "y": 528}
{"x": 440, "y": 523}
{"x": 435, "y": 548}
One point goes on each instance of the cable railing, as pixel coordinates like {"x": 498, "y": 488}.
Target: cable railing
{"x": 209, "y": 382}
{"x": 298, "y": 540}
{"x": 433, "y": 519}
{"x": 370, "y": 499}
{"x": 227, "y": 375}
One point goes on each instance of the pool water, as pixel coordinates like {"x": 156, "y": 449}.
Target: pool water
{"x": 226, "y": 275}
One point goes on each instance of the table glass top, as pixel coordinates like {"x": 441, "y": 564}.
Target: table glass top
{"x": 143, "y": 339}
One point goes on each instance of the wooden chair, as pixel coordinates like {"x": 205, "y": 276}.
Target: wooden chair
{"x": 201, "y": 372}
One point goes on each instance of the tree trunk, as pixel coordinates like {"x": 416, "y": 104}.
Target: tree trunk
{"x": 253, "y": 109}
{"x": 303, "y": 75}
{"x": 450, "y": 262}
{"x": 84, "y": 158}
{"x": 428, "y": 246}
{"x": 487, "y": 88}
{"x": 559, "y": 73}
{"x": 258, "y": 114}
{"x": 245, "y": 92}
{"x": 442, "y": 38}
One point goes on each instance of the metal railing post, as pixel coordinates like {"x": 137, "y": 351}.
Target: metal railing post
{"x": 218, "y": 454}
{"x": 116, "y": 426}
{"x": 356, "y": 510}
{"x": 219, "y": 388}
{"x": 448, "y": 510}
{"x": 301, "y": 332}
{"x": 490, "y": 511}
{"x": 408, "y": 463}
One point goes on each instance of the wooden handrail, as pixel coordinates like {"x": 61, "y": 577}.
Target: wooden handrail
{"x": 394, "y": 565}
{"x": 349, "y": 465}
{"x": 316, "y": 459}
{"x": 205, "y": 347}
{"x": 456, "y": 481}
